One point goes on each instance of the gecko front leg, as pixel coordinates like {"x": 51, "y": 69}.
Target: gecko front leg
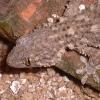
{"x": 90, "y": 69}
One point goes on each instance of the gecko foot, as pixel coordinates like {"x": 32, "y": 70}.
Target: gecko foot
{"x": 90, "y": 69}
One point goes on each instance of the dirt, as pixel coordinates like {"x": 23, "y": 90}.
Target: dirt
{"x": 52, "y": 83}
{"x": 42, "y": 84}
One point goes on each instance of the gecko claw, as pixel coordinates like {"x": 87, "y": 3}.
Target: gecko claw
{"x": 84, "y": 79}
{"x": 96, "y": 78}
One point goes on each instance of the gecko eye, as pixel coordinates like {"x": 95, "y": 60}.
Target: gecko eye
{"x": 27, "y": 61}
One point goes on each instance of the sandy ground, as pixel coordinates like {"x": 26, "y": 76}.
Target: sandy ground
{"x": 42, "y": 84}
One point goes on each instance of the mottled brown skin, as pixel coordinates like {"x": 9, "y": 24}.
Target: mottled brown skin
{"x": 44, "y": 46}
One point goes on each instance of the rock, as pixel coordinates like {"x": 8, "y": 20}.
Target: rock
{"x": 20, "y": 17}
{"x": 15, "y": 87}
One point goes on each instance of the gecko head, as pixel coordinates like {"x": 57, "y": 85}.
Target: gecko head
{"x": 24, "y": 56}
{"x": 27, "y": 59}
{"x": 14, "y": 59}
{"x": 41, "y": 49}
{"x": 20, "y": 56}
{"x": 19, "y": 60}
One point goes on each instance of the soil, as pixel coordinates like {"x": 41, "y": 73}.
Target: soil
{"x": 47, "y": 83}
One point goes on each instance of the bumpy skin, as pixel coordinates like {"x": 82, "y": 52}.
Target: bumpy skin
{"x": 42, "y": 47}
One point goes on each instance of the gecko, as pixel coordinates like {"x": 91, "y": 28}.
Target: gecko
{"x": 44, "y": 46}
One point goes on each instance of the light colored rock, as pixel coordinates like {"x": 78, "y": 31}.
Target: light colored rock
{"x": 81, "y": 7}
{"x": 15, "y": 87}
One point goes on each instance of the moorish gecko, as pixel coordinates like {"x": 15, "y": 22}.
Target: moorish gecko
{"x": 45, "y": 46}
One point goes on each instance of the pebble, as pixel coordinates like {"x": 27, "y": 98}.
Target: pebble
{"x": 71, "y": 31}
{"x": 31, "y": 88}
{"x": 66, "y": 79}
{"x": 63, "y": 88}
{"x": 50, "y": 20}
{"x": 81, "y": 7}
{"x": 8, "y": 82}
{"x": 51, "y": 72}
{"x": 71, "y": 46}
{"x": 23, "y": 81}
{"x": 55, "y": 16}
{"x": 0, "y": 75}
{"x": 15, "y": 87}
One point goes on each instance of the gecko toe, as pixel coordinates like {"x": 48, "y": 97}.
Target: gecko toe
{"x": 96, "y": 78}
{"x": 84, "y": 79}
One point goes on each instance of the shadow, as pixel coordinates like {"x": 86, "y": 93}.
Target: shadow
{"x": 5, "y": 69}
